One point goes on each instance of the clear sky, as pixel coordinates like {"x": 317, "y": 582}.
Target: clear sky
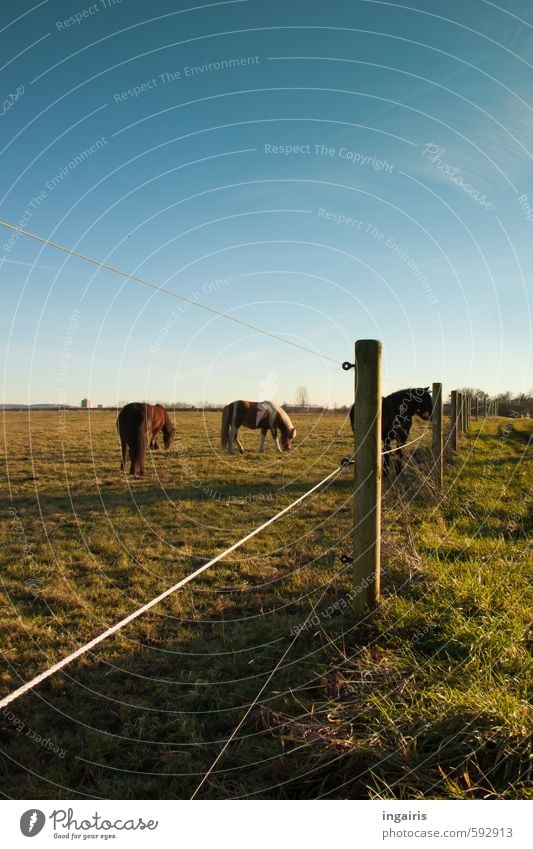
{"x": 325, "y": 171}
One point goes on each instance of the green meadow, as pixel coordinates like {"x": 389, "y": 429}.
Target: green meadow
{"x": 256, "y": 680}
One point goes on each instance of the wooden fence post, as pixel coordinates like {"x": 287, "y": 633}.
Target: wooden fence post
{"x": 459, "y": 414}
{"x": 436, "y": 436}
{"x": 367, "y": 475}
{"x": 477, "y": 408}
{"x": 454, "y": 421}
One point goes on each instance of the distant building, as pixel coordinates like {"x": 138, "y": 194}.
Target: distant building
{"x": 85, "y": 404}
{"x": 100, "y": 406}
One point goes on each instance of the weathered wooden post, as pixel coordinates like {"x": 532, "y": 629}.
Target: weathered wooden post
{"x": 436, "y": 436}
{"x": 454, "y": 421}
{"x": 477, "y": 408}
{"x": 367, "y": 475}
{"x": 459, "y": 414}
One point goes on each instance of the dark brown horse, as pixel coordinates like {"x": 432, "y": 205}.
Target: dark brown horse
{"x": 138, "y": 425}
{"x": 267, "y": 415}
{"x": 161, "y": 422}
{"x": 397, "y": 411}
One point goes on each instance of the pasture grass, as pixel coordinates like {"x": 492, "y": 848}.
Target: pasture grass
{"x": 427, "y": 696}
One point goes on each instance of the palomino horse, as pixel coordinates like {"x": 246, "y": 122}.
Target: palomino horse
{"x": 267, "y": 415}
{"x": 397, "y": 411}
{"x": 138, "y": 425}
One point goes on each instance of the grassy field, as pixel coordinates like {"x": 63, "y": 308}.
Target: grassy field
{"x": 428, "y": 696}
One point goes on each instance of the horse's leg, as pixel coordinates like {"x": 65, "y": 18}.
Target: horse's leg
{"x": 387, "y": 444}
{"x": 124, "y": 446}
{"x": 142, "y": 452}
{"x": 262, "y": 439}
{"x": 153, "y": 440}
{"x": 239, "y": 443}
{"x": 402, "y": 439}
{"x": 274, "y": 432}
{"x": 234, "y": 437}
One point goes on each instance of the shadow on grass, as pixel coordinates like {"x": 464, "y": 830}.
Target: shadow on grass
{"x": 147, "y": 721}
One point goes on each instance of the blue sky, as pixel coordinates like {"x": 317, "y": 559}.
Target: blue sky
{"x": 326, "y": 172}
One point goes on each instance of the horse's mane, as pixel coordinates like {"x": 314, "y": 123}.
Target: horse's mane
{"x": 282, "y": 414}
{"x": 399, "y": 395}
{"x": 405, "y": 394}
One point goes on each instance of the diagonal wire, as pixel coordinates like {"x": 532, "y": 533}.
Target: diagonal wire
{"x": 30, "y": 685}
{"x": 144, "y": 282}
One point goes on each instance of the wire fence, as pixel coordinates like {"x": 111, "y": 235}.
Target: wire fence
{"x": 30, "y": 685}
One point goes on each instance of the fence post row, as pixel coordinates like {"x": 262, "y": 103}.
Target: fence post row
{"x": 367, "y": 475}
{"x": 436, "y": 436}
{"x": 455, "y": 423}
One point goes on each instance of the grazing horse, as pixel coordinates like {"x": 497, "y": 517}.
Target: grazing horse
{"x": 397, "y": 411}
{"x": 267, "y": 415}
{"x": 161, "y": 422}
{"x": 138, "y": 424}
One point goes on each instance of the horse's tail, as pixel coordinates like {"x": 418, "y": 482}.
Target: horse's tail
{"x": 139, "y": 441}
{"x": 224, "y": 430}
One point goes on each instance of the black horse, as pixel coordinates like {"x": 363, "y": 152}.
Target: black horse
{"x": 397, "y": 411}
{"x": 138, "y": 425}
